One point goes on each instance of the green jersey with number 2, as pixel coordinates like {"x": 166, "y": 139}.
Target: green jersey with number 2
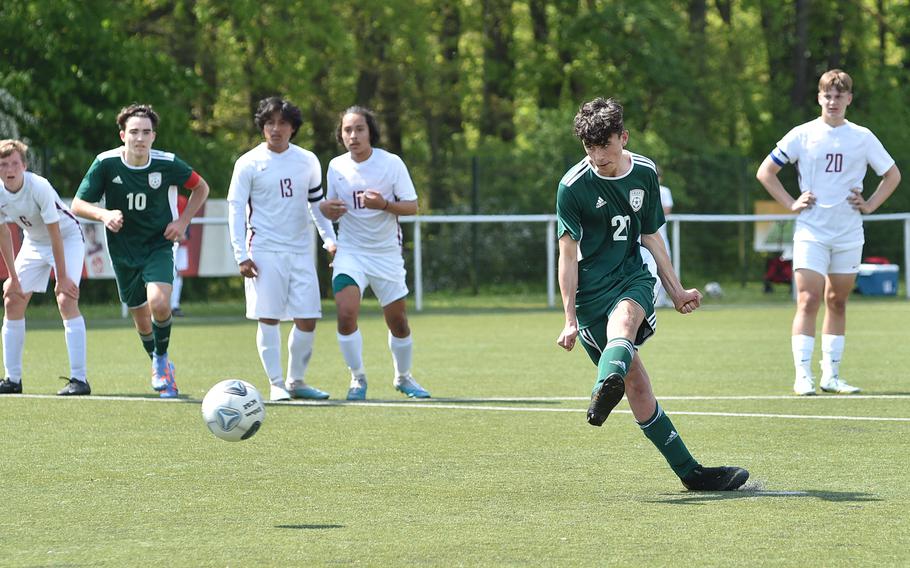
{"x": 606, "y": 216}
{"x": 146, "y": 195}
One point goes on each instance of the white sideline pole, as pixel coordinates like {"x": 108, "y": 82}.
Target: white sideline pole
{"x": 418, "y": 268}
{"x": 551, "y": 263}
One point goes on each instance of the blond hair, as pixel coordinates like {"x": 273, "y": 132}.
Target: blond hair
{"x": 835, "y": 79}
{"x": 7, "y": 147}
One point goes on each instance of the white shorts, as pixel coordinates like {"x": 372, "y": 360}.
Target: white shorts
{"x": 825, "y": 259}
{"x": 34, "y": 263}
{"x": 287, "y": 287}
{"x": 384, "y": 273}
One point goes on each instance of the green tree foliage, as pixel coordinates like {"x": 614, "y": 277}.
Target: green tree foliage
{"x": 477, "y": 95}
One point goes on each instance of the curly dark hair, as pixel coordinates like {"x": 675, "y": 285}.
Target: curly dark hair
{"x": 367, "y": 115}
{"x": 140, "y": 110}
{"x": 271, "y": 105}
{"x": 598, "y": 120}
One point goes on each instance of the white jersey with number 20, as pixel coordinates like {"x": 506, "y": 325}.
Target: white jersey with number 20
{"x": 831, "y": 161}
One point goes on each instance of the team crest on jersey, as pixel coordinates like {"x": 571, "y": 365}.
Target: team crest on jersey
{"x": 155, "y": 180}
{"x": 636, "y": 199}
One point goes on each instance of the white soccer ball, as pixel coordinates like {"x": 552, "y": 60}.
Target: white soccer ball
{"x": 713, "y": 290}
{"x": 233, "y": 410}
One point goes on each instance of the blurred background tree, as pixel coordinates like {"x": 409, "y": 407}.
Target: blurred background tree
{"x": 477, "y": 96}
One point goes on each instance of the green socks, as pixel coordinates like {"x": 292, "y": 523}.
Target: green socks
{"x": 616, "y": 359}
{"x": 148, "y": 343}
{"x": 660, "y": 430}
{"x": 161, "y": 330}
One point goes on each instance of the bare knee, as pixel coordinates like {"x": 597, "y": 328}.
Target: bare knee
{"x": 68, "y": 306}
{"x": 14, "y": 307}
{"x": 808, "y": 301}
{"x": 835, "y": 302}
{"x": 399, "y": 327}
{"x": 396, "y": 318}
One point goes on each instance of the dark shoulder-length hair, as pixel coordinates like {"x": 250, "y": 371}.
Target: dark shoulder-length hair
{"x": 368, "y": 115}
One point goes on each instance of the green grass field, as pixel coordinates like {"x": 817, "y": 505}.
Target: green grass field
{"x": 499, "y": 469}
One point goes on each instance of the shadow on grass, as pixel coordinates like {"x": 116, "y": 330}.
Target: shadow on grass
{"x": 309, "y": 527}
{"x": 697, "y": 498}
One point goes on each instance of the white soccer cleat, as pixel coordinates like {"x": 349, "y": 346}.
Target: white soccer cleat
{"x": 408, "y": 386}
{"x": 837, "y": 386}
{"x": 278, "y": 393}
{"x": 804, "y": 385}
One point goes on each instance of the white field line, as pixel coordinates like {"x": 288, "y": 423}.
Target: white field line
{"x": 413, "y": 404}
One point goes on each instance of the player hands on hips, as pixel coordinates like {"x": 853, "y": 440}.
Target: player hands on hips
{"x": 139, "y": 188}
{"x": 832, "y": 155}
{"x": 368, "y": 188}
{"x": 604, "y": 204}
{"x": 52, "y": 240}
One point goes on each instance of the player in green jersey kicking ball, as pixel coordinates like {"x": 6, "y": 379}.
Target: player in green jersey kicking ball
{"x": 604, "y": 203}
{"x": 139, "y": 188}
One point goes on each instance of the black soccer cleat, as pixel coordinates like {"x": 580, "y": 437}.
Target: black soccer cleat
{"x": 75, "y": 387}
{"x": 605, "y": 399}
{"x": 723, "y": 478}
{"x": 9, "y": 387}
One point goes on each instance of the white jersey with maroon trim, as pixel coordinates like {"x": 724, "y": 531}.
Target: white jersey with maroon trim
{"x": 831, "y": 161}
{"x": 272, "y": 198}
{"x": 36, "y": 205}
{"x": 362, "y": 229}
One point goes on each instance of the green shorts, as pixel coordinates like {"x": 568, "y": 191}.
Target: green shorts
{"x": 131, "y": 281}
{"x": 594, "y": 336}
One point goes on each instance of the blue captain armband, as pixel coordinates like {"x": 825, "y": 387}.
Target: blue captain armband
{"x": 779, "y": 157}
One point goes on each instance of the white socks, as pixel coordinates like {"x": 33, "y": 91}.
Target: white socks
{"x": 802, "y": 346}
{"x": 402, "y": 349}
{"x": 268, "y": 340}
{"x": 13, "y": 345}
{"x": 832, "y": 352}
{"x": 300, "y": 349}
{"x": 352, "y": 351}
{"x": 74, "y": 329}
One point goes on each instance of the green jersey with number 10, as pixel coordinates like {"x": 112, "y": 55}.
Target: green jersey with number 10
{"x": 146, "y": 195}
{"x": 606, "y": 216}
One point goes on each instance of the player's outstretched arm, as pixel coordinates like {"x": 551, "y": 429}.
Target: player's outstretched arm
{"x": 11, "y": 287}
{"x": 685, "y": 301}
{"x": 63, "y": 283}
{"x": 568, "y": 287}
{"x": 176, "y": 230}
{"x": 111, "y": 218}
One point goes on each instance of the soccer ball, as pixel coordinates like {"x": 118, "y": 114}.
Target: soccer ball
{"x": 713, "y": 290}
{"x": 233, "y": 410}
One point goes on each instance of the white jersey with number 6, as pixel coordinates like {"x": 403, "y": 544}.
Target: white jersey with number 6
{"x": 36, "y": 205}
{"x": 362, "y": 229}
{"x": 831, "y": 161}
{"x": 271, "y": 200}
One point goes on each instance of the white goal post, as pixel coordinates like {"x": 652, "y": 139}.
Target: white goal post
{"x": 674, "y": 220}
